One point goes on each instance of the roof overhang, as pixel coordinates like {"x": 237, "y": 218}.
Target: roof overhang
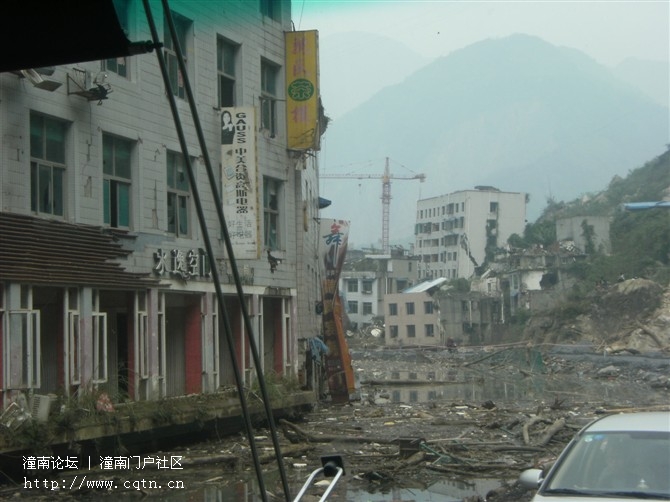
{"x": 37, "y": 33}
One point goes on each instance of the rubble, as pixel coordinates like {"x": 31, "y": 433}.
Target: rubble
{"x": 466, "y": 422}
{"x": 480, "y": 417}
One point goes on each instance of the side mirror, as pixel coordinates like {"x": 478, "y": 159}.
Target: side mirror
{"x": 531, "y": 478}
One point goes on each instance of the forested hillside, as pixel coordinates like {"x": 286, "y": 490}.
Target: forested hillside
{"x": 640, "y": 239}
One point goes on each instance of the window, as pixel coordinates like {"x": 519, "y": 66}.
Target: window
{"x": 99, "y": 335}
{"x": 409, "y": 308}
{"x": 271, "y": 9}
{"x": 493, "y": 207}
{"x": 22, "y": 344}
{"x": 116, "y": 181}
{"x": 269, "y": 74}
{"x": 271, "y": 195}
{"x": 182, "y": 26}
{"x": 177, "y": 195}
{"x": 411, "y": 331}
{"x": 429, "y": 330}
{"x": 353, "y": 307}
{"x": 226, "y": 55}
{"x": 393, "y": 309}
{"x": 393, "y": 331}
{"x": 119, "y": 65}
{"x": 367, "y": 308}
{"x": 47, "y": 165}
{"x": 142, "y": 323}
{"x": 73, "y": 338}
{"x": 352, "y": 285}
{"x": 427, "y": 307}
{"x": 367, "y": 286}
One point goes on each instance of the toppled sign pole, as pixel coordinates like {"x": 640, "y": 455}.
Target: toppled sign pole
{"x": 334, "y": 238}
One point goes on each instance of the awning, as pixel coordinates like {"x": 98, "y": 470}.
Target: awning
{"x": 323, "y": 203}
{"x": 40, "y": 251}
{"x": 38, "y": 33}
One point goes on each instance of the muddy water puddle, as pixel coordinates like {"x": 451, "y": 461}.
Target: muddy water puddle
{"x": 476, "y": 388}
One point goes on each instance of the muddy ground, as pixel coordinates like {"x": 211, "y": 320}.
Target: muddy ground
{"x": 429, "y": 425}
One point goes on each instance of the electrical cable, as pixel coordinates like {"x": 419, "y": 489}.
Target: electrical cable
{"x": 203, "y": 225}
{"x": 231, "y": 256}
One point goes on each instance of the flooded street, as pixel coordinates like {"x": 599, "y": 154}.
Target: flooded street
{"x": 471, "y": 410}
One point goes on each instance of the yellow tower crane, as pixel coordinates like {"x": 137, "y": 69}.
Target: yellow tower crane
{"x": 386, "y": 195}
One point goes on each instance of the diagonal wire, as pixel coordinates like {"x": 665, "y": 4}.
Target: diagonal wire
{"x": 203, "y": 225}
{"x": 231, "y": 256}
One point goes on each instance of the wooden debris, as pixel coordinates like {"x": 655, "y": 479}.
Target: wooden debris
{"x": 553, "y": 429}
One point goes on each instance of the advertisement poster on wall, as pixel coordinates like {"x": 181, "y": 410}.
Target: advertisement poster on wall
{"x": 239, "y": 179}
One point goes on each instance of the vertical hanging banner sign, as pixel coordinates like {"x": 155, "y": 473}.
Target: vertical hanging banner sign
{"x": 239, "y": 180}
{"x": 302, "y": 89}
{"x": 334, "y": 237}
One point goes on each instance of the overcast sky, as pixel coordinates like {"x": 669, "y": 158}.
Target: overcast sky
{"x": 607, "y": 30}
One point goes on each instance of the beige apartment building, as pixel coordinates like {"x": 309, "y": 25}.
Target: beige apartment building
{"x": 412, "y": 317}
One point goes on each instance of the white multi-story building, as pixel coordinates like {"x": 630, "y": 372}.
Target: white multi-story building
{"x": 104, "y": 281}
{"x": 456, "y": 232}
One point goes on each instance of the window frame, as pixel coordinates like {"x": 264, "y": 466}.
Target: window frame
{"x": 271, "y": 9}
{"x": 113, "y": 180}
{"x": 272, "y": 215}
{"x": 223, "y": 71}
{"x": 120, "y": 64}
{"x": 45, "y": 159}
{"x": 181, "y": 195}
{"x": 269, "y": 96}
{"x": 366, "y": 286}
{"x": 183, "y": 27}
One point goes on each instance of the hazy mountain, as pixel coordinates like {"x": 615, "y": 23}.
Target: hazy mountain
{"x": 355, "y": 65}
{"x": 517, "y": 113}
{"x": 651, "y": 77}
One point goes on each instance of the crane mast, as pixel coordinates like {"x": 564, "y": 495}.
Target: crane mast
{"x": 386, "y": 178}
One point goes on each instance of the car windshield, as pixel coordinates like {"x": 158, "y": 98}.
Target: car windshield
{"x": 636, "y": 464}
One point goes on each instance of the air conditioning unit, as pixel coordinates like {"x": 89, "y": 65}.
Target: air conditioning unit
{"x": 40, "y": 406}
{"x": 40, "y": 82}
{"x": 13, "y": 417}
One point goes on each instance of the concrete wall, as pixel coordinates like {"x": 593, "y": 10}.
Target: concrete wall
{"x": 137, "y": 110}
